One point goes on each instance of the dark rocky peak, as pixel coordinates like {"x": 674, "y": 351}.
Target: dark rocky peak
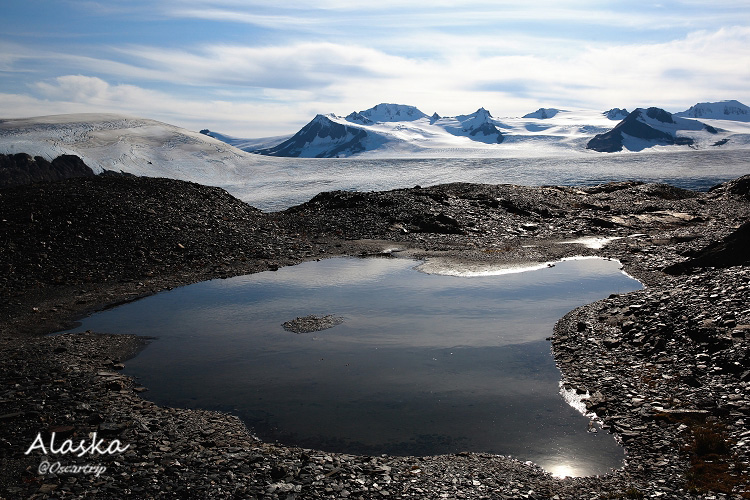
{"x": 659, "y": 114}
{"x": 634, "y": 125}
{"x": 343, "y": 139}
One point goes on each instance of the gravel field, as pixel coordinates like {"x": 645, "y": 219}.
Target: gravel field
{"x": 666, "y": 369}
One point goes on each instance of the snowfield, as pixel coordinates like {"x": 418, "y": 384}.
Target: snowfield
{"x": 133, "y": 145}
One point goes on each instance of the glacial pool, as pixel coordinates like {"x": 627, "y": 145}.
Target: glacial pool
{"x": 422, "y": 364}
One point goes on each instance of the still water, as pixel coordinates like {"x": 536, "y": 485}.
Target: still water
{"x": 283, "y": 182}
{"x": 422, "y": 364}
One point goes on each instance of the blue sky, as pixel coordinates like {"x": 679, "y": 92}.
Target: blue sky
{"x": 261, "y": 68}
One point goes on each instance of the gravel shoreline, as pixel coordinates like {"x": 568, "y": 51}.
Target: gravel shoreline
{"x": 666, "y": 369}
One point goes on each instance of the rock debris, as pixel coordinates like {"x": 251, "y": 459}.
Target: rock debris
{"x": 666, "y": 369}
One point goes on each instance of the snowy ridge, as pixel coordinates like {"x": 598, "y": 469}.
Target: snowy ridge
{"x": 616, "y": 114}
{"x": 386, "y": 113}
{"x": 652, "y": 127}
{"x": 723, "y": 110}
{"x": 543, "y": 113}
{"x": 133, "y": 145}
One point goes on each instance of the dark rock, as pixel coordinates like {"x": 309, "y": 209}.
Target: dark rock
{"x": 19, "y": 169}
{"x": 312, "y": 323}
{"x": 610, "y": 343}
{"x": 342, "y": 139}
{"x": 738, "y": 187}
{"x": 733, "y": 250}
{"x": 438, "y": 223}
{"x": 612, "y": 141}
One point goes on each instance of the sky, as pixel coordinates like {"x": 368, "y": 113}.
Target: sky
{"x": 259, "y": 68}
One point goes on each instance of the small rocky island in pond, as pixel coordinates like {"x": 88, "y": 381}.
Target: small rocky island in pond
{"x": 312, "y": 323}
{"x": 667, "y": 368}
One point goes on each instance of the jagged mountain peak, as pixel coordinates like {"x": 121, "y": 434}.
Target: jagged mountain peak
{"x": 323, "y": 118}
{"x": 479, "y": 116}
{"x": 323, "y": 137}
{"x": 483, "y": 113}
{"x": 645, "y": 127}
{"x": 616, "y": 113}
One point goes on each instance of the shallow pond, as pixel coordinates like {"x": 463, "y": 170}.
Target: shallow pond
{"x": 422, "y": 364}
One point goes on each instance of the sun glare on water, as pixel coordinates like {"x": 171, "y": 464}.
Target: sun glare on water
{"x": 562, "y": 470}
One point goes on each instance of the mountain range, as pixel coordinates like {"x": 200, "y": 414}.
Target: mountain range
{"x": 395, "y": 130}
{"x": 109, "y": 142}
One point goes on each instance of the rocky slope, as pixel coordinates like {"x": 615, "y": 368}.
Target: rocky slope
{"x": 665, "y": 368}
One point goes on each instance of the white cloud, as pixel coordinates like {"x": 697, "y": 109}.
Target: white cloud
{"x": 86, "y": 94}
{"x": 390, "y": 16}
{"x": 254, "y": 91}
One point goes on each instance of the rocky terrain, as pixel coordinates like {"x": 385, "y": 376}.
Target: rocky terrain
{"x": 666, "y": 369}
{"x": 20, "y": 169}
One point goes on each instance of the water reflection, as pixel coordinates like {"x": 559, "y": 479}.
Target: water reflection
{"x": 422, "y": 364}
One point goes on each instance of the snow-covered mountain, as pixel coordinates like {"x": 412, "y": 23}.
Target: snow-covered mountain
{"x": 644, "y": 128}
{"x": 616, "y": 114}
{"x": 723, "y": 110}
{"x": 386, "y": 113}
{"x": 325, "y": 137}
{"x": 397, "y": 130}
{"x": 394, "y": 130}
{"x": 478, "y": 126}
{"x": 133, "y": 145}
{"x": 387, "y": 126}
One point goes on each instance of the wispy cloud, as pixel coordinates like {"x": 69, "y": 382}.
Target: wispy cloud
{"x": 277, "y": 64}
{"x": 389, "y": 16}
{"x": 86, "y": 94}
{"x": 292, "y": 83}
